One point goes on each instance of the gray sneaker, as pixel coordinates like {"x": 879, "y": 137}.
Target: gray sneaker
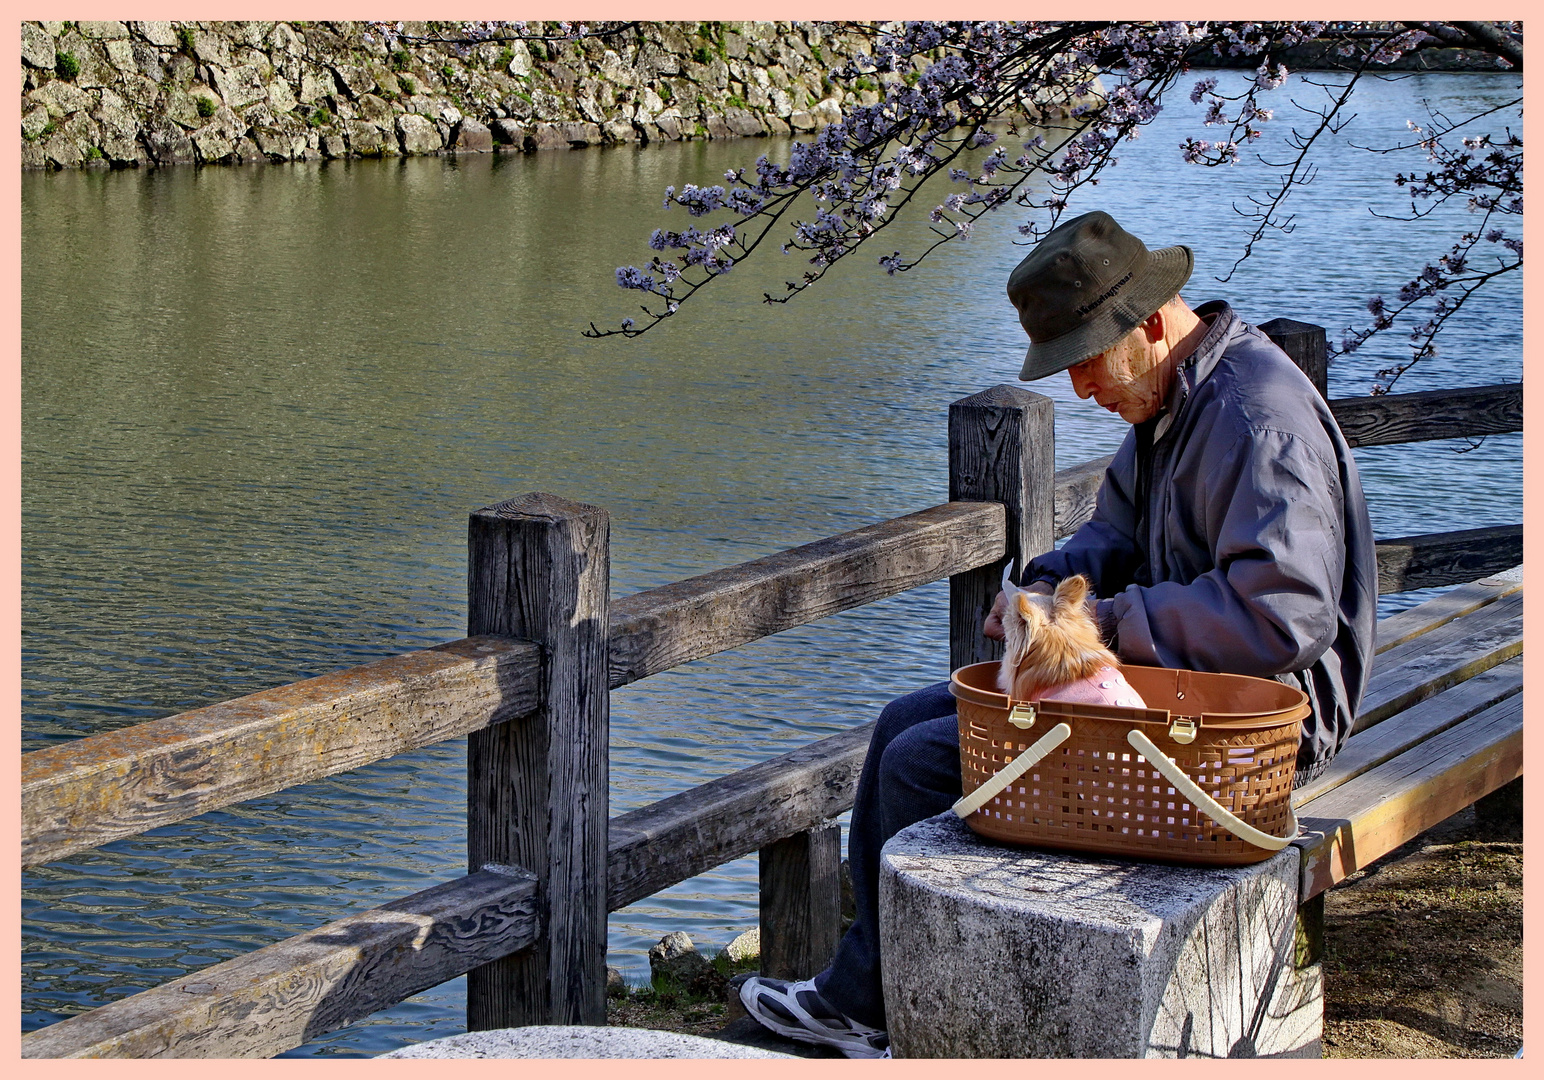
{"x": 795, "y": 1011}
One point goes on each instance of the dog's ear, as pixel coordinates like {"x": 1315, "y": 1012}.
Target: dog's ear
{"x": 1071, "y": 592}
{"x": 1029, "y": 611}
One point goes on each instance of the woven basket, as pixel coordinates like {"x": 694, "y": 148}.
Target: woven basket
{"x": 1100, "y": 787}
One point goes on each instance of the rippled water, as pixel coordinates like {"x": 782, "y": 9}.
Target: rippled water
{"x": 260, "y": 402}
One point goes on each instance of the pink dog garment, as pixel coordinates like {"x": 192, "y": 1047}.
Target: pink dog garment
{"x": 1107, "y": 686}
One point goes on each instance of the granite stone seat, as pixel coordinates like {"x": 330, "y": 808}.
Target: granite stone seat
{"x": 1003, "y": 952}
{"x": 565, "y": 1041}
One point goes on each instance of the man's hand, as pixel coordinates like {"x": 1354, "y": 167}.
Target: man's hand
{"x": 993, "y": 627}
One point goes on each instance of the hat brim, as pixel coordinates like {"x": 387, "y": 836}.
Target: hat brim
{"x": 1167, "y": 271}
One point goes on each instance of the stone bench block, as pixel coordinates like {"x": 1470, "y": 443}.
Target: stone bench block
{"x": 992, "y": 951}
{"x": 572, "y": 1041}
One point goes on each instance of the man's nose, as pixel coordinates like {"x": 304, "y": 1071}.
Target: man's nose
{"x": 1082, "y": 385}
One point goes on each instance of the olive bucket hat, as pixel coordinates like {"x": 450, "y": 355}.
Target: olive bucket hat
{"x": 1088, "y": 284}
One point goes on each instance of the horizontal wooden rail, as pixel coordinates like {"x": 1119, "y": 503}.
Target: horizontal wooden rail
{"x": 1404, "y": 562}
{"x": 664, "y": 628}
{"x": 1447, "y": 558}
{"x": 1366, "y": 421}
{"x": 339, "y": 972}
{"x": 659, "y": 845}
{"x": 88, "y": 792}
{"x": 288, "y": 993}
{"x": 1466, "y": 411}
{"x": 1077, "y": 493}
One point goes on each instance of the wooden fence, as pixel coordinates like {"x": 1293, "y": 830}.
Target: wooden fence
{"x": 529, "y": 686}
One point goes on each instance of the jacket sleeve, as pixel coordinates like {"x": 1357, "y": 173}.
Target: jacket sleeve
{"x": 1105, "y": 547}
{"x": 1272, "y": 515}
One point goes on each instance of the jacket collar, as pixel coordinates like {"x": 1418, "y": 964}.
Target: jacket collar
{"x": 1195, "y": 368}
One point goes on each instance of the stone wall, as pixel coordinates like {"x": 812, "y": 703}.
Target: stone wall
{"x": 156, "y": 93}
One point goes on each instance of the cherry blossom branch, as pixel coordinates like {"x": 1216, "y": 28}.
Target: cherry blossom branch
{"x": 861, "y": 172}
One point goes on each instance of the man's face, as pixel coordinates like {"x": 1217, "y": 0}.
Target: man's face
{"x": 1123, "y": 378}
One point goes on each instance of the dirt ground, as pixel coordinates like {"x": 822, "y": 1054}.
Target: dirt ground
{"x": 1422, "y": 955}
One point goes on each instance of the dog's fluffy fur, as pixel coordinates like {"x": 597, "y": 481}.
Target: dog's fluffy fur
{"x": 1051, "y": 640}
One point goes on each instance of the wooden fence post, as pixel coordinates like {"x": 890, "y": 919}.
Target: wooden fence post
{"x": 1002, "y": 448}
{"x": 801, "y": 902}
{"x": 538, "y": 567}
{"x": 1306, "y": 344}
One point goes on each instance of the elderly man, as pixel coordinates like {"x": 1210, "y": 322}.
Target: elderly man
{"x": 1230, "y": 535}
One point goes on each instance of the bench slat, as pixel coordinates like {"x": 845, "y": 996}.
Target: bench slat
{"x": 1366, "y": 818}
{"x": 288, "y": 993}
{"x": 1426, "y": 665}
{"x": 1440, "y": 610}
{"x": 1416, "y": 724}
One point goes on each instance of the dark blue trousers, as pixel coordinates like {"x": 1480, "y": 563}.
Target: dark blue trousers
{"x": 912, "y": 772}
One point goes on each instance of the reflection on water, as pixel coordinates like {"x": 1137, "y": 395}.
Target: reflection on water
{"x": 260, "y": 402}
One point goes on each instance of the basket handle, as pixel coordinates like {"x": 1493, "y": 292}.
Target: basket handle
{"x": 1205, "y": 803}
{"x": 969, "y": 804}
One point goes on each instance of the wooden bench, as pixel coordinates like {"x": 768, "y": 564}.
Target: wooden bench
{"x": 1141, "y": 960}
{"x": 1440, "y": 727}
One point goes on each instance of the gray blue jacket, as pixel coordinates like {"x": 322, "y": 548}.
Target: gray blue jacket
{"x": 1231, "y": 535}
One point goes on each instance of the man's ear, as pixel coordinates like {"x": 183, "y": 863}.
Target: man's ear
{"x": 1153, "y": 326}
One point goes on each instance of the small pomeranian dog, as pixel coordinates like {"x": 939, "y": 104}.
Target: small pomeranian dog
{"x": 1054, "y": 651}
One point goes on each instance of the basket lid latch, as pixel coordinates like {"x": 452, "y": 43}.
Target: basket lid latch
{"x": 1183, "y": 730}
{"x": 1022, "y": 715}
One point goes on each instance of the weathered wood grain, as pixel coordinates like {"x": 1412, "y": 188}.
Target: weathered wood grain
{"x": 1429, "y": 664}
{"x": 86, "y": 793}
{"x": 1305, "y": 343}
{"x": 1416, "y": 724}
{"x": 288, "y": 993}
{"x": 1441, "y": 610}
{"x": 666, "y": 842}
{"x": 1002, "y": 448}
{"x": 801, "y": 902}
{"x": 1077, "y": 493}
{"x": 1430, "y": 414}
{"x": 1448, "y": 558}
{"x": 1366, "y": 818}
{"x": 538, "y": 568}
{"x": 664, "y": 628}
